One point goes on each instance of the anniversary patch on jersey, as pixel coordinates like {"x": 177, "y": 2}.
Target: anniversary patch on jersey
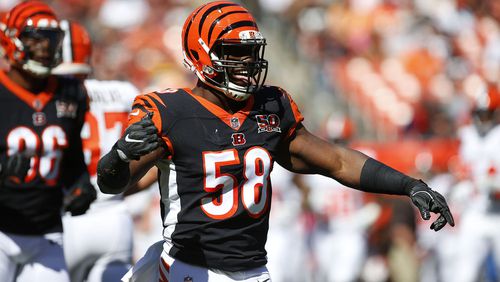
{"x": 268, "y": 123}
{"x": 67, "y": 109}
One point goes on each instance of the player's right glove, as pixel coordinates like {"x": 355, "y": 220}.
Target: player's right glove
{"x": 138, "y": 140}
{"x": 14, "y": 168}
{"x": 428, "y": 200}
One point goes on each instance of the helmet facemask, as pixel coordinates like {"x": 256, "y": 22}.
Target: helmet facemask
{"x": 238, "y": 67}
{"x": 31, "y": 40}
{"x": 222, "y": 44}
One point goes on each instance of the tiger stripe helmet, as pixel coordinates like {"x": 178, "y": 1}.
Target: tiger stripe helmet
{"x": 30, "y": 19}
{"x": 76, "y": 50}
{"x": 209, "y": 34}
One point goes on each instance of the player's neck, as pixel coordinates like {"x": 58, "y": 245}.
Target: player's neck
{"x": 218, "y": 98}
{"x": 31, "y": 83}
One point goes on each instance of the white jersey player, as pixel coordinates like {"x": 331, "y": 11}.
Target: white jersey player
{"x": 342, "y": 217}
{"x": 286, "y": 240}
{"x": 85, "y": 236}
{"x": 339, "y": 241}
{"x": 480, "y": 228}
{"x": 88, "y": 252}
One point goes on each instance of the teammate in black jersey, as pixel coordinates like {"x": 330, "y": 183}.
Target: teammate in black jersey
{"x": 215, "y": 146}
{"x": 42, "y": 167}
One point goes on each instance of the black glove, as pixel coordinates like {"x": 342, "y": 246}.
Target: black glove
{"x": 139, "y": 139}
{"x": 78, "y": 199}
{"x": 14, "y": 168}
{"x": 428, "y": 200}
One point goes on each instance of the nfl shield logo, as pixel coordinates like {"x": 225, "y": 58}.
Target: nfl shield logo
{"x": 37, "y": 104}
{"x": 235, "y": 122}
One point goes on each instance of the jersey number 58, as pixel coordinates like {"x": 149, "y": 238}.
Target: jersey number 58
{"x": 254, "y": 189}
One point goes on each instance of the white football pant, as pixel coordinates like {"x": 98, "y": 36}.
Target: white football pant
{"x": 32, "y": 258}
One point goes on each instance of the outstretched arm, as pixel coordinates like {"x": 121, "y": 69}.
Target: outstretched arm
{"x": 306, "y": 153}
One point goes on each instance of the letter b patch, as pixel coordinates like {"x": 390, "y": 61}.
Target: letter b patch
{"x": 238, "y": 139}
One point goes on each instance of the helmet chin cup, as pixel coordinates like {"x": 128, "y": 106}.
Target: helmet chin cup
{"x": 239, "y": 93}
{"x": 36, "y": 68}
{"x": 231, "y": 91}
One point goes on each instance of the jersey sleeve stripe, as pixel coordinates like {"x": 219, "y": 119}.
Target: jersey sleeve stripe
{"x": 169, "y": 145}
{"x": 139, "y": 107}
{"x": 145, "y": 104}
{"x": 295, "y": 109}
{"x": 156, "y": 98}
{"x": 291, "y": 131}
{"x": 296, "y": 114}
{"x": 145, "y": 101}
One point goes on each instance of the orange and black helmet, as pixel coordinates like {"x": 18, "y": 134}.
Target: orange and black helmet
{"x": 76, "y": 50}
{"x": 35, "y": 21}
{"x": 222, "y": 44}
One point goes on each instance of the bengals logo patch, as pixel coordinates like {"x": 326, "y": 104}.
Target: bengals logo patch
{"x": 238, "y": 139}
{"x": 39, "y": 119}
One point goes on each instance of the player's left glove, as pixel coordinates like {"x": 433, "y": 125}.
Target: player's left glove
{"x": 428, "y": 200}
{"x": 78, "y": 199}
{"x": 14, "y": 168}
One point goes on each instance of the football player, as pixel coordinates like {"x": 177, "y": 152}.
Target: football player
{"x": 42, "y": 163}
{"x": 215, "y": 145}
{"x": 343, "y": 215}
{"x": 289, "y": 228}
{"x": 89, "y": 255}
{"x": 480, "y": 228}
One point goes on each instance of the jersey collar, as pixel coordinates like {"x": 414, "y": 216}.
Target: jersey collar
{"x": 223, "y": 115}
{"x": 35, "y": 101}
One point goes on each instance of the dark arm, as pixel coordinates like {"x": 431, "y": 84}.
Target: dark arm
{"x": 115, "y": 175}
{"x": 134, "y": 154}
{"x": 306, "y": 153}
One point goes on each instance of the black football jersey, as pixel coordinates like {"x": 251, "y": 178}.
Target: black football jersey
{"x": 216, "y": 188}
{"x": 46, "y": 127}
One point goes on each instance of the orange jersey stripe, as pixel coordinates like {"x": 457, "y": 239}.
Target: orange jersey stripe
{"x": 141, "y": 106}
{"x": 221, "y": 113}
{"x": 296, "y": 112}
{"x": 35, "y": 101}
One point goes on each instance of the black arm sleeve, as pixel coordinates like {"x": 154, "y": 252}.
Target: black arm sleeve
{"x": 113, "y": 174}
{"x": 377, "y": 177}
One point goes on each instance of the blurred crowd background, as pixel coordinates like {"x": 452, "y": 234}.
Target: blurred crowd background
{"x": 393, "y": 78}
